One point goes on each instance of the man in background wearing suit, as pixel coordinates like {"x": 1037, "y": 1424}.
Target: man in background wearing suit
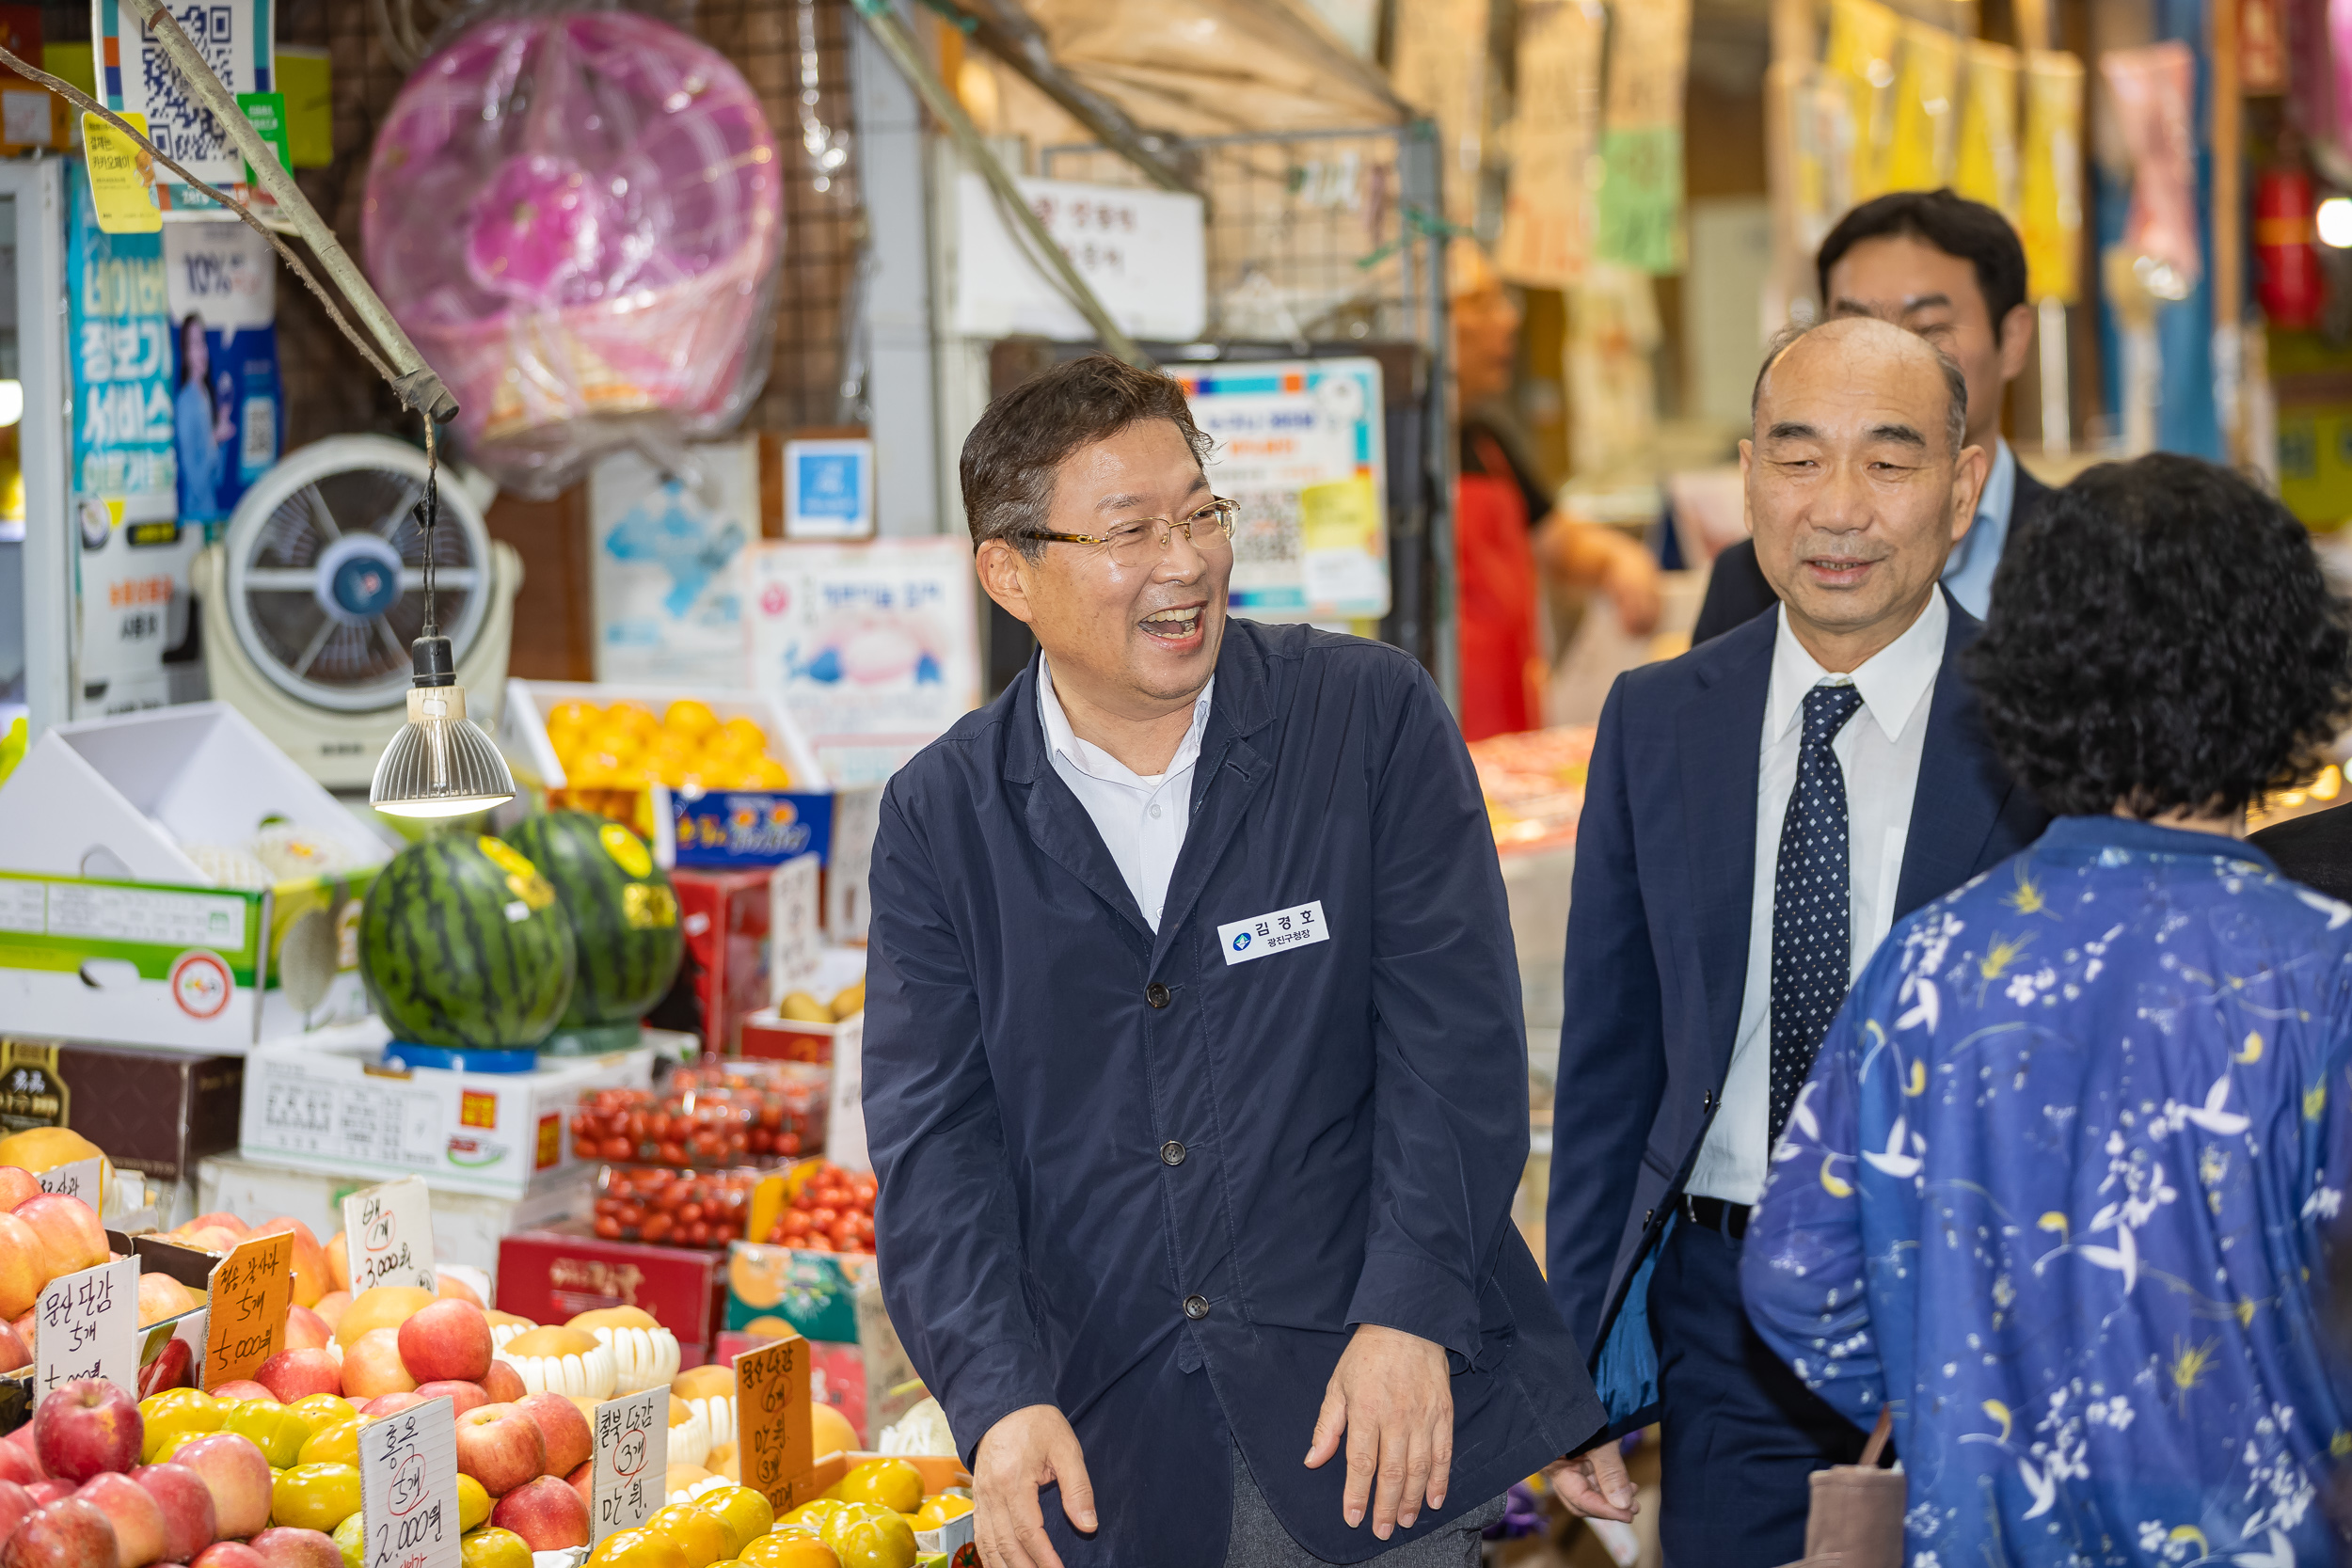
{"x": 1952, "y": 271}
{"x": 1756, "y": 813}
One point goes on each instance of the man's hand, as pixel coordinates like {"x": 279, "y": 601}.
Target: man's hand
{"x": 1593, "y": 1483}
{"x": 1393, "y": 1399}
{"x": 1021, "y": 1452}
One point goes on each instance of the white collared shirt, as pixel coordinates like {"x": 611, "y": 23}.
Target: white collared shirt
{"x": 1143, "y": 820}
{"x": 1968, "y": 574}
{"x": 1878, "y": 751}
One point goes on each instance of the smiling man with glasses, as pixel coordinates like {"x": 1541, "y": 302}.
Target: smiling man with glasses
{"x": 1194, "y": 1070}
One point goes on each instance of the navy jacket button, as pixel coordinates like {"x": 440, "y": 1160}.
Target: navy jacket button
{"x": 1171, "y": 1153}
{"x": 1156, "y": 994}
{"x": 1196, "y": 1307}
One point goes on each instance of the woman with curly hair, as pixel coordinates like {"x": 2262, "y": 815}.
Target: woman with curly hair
{"x": 2054, "y": 1197}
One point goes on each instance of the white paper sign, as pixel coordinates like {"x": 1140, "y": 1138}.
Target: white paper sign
{"x": 86, "y": 1324}
{"x": 80, "y": 1179}
{"x": 1276, "y": 931}
{"x": 631, "y": 1460}
{"x": 387, "y": 1231}
{"x": 1144, "y": 254}
{"x": 845, "y": 1108}
{"x": 408, "y": 1488}
{"x": 796, "y": 939}
{"x": 665, "y": 557}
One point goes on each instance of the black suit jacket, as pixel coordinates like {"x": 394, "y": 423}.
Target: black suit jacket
{"x": 2315, "y": 850}
{"x": 1657, "y": 933}
{"x": 1736, "y": 592}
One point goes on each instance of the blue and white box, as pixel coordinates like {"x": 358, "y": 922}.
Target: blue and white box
{"x": 829, "y": 489}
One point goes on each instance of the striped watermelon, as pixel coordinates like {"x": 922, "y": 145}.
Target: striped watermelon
{"x": 461, "y": 944}
{"x": 623, "y": 911}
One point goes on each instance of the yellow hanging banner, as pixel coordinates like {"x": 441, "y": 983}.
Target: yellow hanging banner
{"x": 121, "y": 177}
{"x": 1919, "y": 153}
{"x": 2049, "y": 176}
{"x": 1862, "y": 37}
{"x": 1984, "y": 168}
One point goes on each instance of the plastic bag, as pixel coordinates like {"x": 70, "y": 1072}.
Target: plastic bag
{"x": 578, "y": 217}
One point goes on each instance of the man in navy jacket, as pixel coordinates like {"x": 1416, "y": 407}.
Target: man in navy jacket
{"x": 1756, "y": 813}
{"x": 1193, "y": 1068}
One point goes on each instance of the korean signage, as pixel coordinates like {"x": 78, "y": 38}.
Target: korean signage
{"x": 632, "y": 1459}
{"x": 86, "y": 1325}
{"x": 408, "y": 1489}
{"x": 387, "y": 1231}
{"x": 772, "y": 1415}
{"x": 1144, "y": 254}
{"x": 251, "y": 1290}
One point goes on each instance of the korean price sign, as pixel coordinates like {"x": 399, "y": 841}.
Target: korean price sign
{"x": 86, "y": 1324}
{"x": 387, "y": 1232}
{"x": 252, "y": 1288}
{"x": 82, "y": 1178}
{"x": 408, "y": 1488}
{"x": 772, "y": 1416}
{"x": 631, "y": 1460}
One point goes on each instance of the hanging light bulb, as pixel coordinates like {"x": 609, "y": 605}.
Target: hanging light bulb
{"x": 441, "y": 764}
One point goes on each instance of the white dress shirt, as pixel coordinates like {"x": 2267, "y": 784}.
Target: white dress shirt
{"x": 1969, "y": 572}
{"x": 1143, "y": 820}
{"x": 1878, "y": 751}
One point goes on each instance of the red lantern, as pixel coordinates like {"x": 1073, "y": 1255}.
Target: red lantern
{"x": 2289, "y": 284}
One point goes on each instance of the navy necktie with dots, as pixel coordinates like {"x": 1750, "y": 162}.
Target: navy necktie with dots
{"x": 1812, "y": 932}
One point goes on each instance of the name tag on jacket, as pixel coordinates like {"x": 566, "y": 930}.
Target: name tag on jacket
{"x": 1279, "y": 932}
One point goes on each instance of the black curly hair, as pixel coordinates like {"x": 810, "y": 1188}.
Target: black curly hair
{"x": 2161, "y": 637}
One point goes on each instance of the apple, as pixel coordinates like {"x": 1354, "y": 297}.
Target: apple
{"x": 237, "y": 1475}
{"x": 67, "y": 1533}
{"x": 448, "y": 1341}
{"x": 330, "y": 1308}
{"x": 13, "y": 1351}
{"x": 292, "y": 1374}
{"x": 136, "y": 1516}
{"x": 44, "y": 1493}
{"x": 87, "y": 1426}
{"x": 190, "y": 1521}
{"x": 222, "y": 1219}
{"x": 311, "y": 1276}
{"x": 22, "y": 1441}
{"x": 162, "y": 1296}
{"x": 306, "y": 1329}
{"x": 390, "y": 1404}
{"x": 582, "y": 1480}
{"x": 246, "y": 1389}
{"x": 564, "y": 1429}
{"x": 174, "y": 1366}
{"x": 15, "y": 1503}
{"x": 17, "y": 1469}
{"x": 371, "y": 1365}
{"x": 284, "y": 1547}
{"x": 23, "y": 1269}
{"x": 546, "y": 1513}
{"x": 500, "y": 1447}
{"x": 502, "y": 1383}
{"x": 16, "y": 1185}
{"x": 454, "y": 1288}
{"x": 462, "y": 1397}
{"x": 338, "y": 1265}
{"x": 230, "y": 1554}
{"x": 72, "y": 1239}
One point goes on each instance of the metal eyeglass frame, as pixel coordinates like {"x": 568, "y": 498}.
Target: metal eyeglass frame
{"x": 1227, "y": 513}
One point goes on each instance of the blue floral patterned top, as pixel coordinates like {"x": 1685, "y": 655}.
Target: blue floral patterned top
{"x": 2056, "y": 1187}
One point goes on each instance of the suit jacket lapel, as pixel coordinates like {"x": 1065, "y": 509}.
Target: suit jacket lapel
{"x": 1224, "y": 780}
{"x": 1057, "y": 823}
{"x": 1718, "y": 735}
{"x": 1962, "y": 785}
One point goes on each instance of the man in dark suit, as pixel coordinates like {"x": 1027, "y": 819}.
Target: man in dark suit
{"x": 1756, "y": 813}
{"x": 2314, "y": 849}
{"x": 1952, "y": 271}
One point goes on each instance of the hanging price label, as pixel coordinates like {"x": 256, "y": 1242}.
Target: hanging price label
{"x": 86, "y": 1324}
{"x": 252, "y": 1288}
{"x": 408, "y": 1488}
{"x": 632, "y": 1460}
{"x": 388, "y": 1234}
{"x": 771, "y": 1416}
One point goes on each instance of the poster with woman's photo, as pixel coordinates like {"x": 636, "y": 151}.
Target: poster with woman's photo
{"x": 227, "y": 407}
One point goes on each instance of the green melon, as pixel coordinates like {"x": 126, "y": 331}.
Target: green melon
{"x": 624, "y": 914}
{"x": 461, "y": 944}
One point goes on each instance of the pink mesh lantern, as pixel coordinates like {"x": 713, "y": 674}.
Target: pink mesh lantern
{"x": 577, "y": 218}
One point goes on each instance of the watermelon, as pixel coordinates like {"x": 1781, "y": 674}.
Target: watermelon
{"x": 623, "y": 910}
{"x": 461, "y": 944}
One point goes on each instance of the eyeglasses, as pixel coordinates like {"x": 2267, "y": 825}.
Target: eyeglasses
{"x": 1144, "y": 540}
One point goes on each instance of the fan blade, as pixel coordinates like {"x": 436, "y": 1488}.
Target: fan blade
{"x": 281, "y": 580}
{"x": 318, "y": 643}
{"x": 321, "y": 515}
{"x": 391, "y": 520}
{"x": 391, "y": 639}
{"x": 443, "y": 577}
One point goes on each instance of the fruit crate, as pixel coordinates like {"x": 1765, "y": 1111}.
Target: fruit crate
{"x": 714, "y": 1116}
{"x": 660, "y": 1206}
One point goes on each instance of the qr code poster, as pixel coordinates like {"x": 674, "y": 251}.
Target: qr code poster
{"x": 237, "y": 39}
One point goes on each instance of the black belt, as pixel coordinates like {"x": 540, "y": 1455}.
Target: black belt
{"x": 1714, "y": 1213}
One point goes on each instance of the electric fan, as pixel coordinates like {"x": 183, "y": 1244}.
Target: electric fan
{"x": 315, "y": 593}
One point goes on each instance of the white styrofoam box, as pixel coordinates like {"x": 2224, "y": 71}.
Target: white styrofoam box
{"x": 335, "y": 1109}
{"x": 466, "y": 1226}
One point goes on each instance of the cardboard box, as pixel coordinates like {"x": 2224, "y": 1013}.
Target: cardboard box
{"x": 331, "y": 1107}
{"x": 730, "y": 829}
{"x": 466, "y": 1227}
{"x": 154, "y": 1112}
{"x": 724, "y": 915}
{"x": 767, "y": 1033}
{"x": 551, "y": 1276}
{"x": 111, "y": 932}
{"x": 834, "y": 1300}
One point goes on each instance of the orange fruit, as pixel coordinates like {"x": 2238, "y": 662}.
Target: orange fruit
{"x": 701, "y": 1534}
{"x": 790, "y": 1548}
{"x": 687, "y": 718}
{"x": 881, "y": 1539}
{"x": 637, "y": 1548}
{"x": 831, "y": 1430}
{"x": 744, "y": 1511}
{"x": 892, "y": 1483}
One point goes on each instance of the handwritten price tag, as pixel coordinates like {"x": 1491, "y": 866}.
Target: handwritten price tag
{"x": 408, "y": 1488}
{"x": 771, "y": 1413}
{"x": 81, "y": 1179}
{"x": 86, "y": 1324}
{"x": 252, "y": 1288}
{"x": 387, "y": 1232}
{"x": 632, "y": 1460}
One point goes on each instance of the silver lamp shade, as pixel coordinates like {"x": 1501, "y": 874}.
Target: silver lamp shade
{"x": 441, "y": 764}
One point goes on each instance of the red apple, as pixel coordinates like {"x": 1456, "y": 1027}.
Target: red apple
{"x": 500, "y": 1447}
{"x": 448, "y": 1341}
{"x": 16, "y": 1185}
{"x": 285, "y": 1546}
{"x": 236, "y": 1474}
{"x": 246, "y": 1389}
{"x": 371, "y": 1365}
{"x": 136, "y": 1516}
{"x": 223, "y": 1220}
{"x": 190, "y": 1521}
{"x": 564, "y": 1429}
{"x": 15, "y": 1352}
{"x": 291, "y": 1374}
{"x": 85, "y": 1427}
{"x": 462, "y": 1397}
{"x": 502, "y": 1383}
{"x": 44, "y": 1493}
{"x": 229, "y": 1554}
{"x": 15, "y": 1502}
{"x": 21, "y": 1442}
{"x": 67, "y": 1533}
{"x": 546, "y": 1513}
{"x": 72, "y": 1239}
{"x": 23, "y": 1268}
{"x": 390, "y": 1404}
{"x": 582, "y": 1480}
{"x": 306, "y": 1329}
